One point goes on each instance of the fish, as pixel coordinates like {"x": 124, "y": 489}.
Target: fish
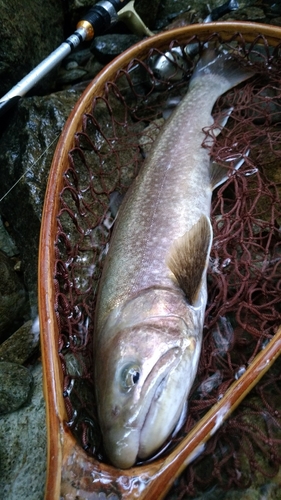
{"x": 152, "y": 294}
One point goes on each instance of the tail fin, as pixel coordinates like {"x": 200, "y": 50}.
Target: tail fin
{"x": 223, "y": 65}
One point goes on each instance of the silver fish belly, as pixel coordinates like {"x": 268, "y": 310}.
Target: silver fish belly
{"x": 152, "y": 295}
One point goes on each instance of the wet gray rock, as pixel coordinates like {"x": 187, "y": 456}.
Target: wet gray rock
{"x": 15, "y": 386}
{"x": 29, "y": 31}
{"x": 26, "y": 151}
{"x": 23, "y": 447}
{"x": 78, "y": 56}
{"x": 169, "y": 11}
{"x": 22, "y": 344}
{"x": 107, "y": 47}
{"x": 12, "y": 294}
{"x": 73, "y": 366}
{"x": 7, "y": 244}
{"x": 148, "y": 11}
{"x": 246, "y": 14}
{"x": 72, "y": 74}
{"x": 80, "y": 66}
{"x": 179, "y": 13}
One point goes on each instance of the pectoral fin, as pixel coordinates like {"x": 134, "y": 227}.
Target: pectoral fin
{"x": 189, "y": 258}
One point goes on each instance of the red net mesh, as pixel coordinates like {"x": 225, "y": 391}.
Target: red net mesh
{"x": 244, "y": 278}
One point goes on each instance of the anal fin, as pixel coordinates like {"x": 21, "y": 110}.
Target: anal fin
{"x": 189, "y": 258}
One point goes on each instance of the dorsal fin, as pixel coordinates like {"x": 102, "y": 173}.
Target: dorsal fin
{"x": 189, "y": 257}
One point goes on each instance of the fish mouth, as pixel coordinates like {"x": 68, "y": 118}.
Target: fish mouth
{"x": 125, "y": 445}
{"x": 159, "y": 420}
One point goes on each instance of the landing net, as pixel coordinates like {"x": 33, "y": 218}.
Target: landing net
{"x": 244, "y": 276}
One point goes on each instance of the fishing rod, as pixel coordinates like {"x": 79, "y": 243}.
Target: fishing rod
{"x": 102, "y": 16}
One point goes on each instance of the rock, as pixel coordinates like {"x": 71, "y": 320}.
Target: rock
{"x": 147, "y": 11}
{"x": 29, "y": 32}
{"x": 80, "y": 66}
{"x": 185, "y": 19}
{"x": 7, "y": 245}
{"x": 107, "y": 47}
{"x": 23, "y": 447}
{"x": 15, "y": 386}
{"x": 26, "y": 150}
{"x": 246, "y": 14}
{"x": 22, "y": 344}
{"x": 169, "y": 11}
{"x": 78, "y": 56}
{"x": 149, "y": 135}
{"x": 71, "y": 75}
{"x": 178, "y": 13}
{"x": 12, "y": 294}
{"x": 73, "y": 365}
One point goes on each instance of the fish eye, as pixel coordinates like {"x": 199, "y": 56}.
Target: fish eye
{"x": 130, "y": 376}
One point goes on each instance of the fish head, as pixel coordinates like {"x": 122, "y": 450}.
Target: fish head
{"x": 143, "y": 376}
